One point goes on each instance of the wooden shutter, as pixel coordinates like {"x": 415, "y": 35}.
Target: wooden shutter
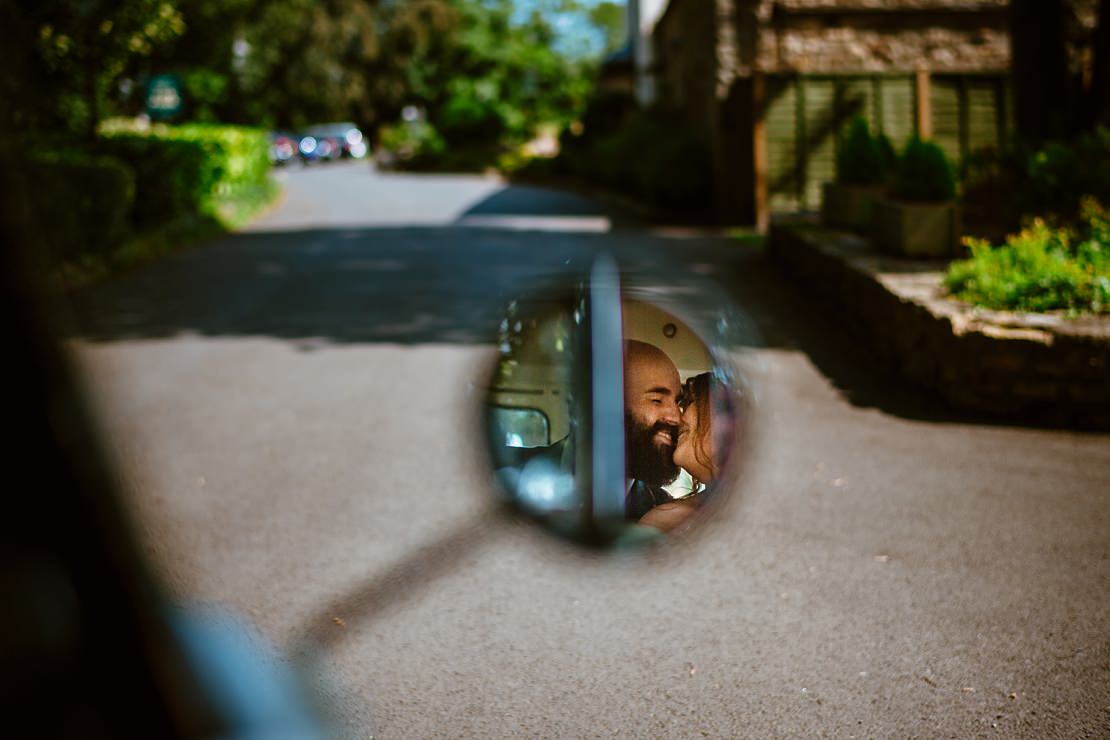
{"x": 946, "y": 114}
{"x": 984, "y": 109}
{"x": 782, "y": 138}
{"x": 896, "y": 109}
{"x": 819, "y": 133}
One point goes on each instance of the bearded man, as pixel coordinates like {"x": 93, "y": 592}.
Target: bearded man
{"x": 651, "y": 419}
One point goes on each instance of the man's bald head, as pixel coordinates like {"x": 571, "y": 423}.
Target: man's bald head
{"x": 651, "y": 388}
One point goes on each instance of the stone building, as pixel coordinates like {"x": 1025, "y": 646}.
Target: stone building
{"x": 771, "y": 84}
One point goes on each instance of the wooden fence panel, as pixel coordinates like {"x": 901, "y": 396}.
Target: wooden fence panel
{"x": 984, "y": 111}
{"x": 946, "y": 101}
{"x": 819, "y": 96}
{"x": 782, "y": 138}
{"x": 807, "y": 116}
{"x": 896, "y": 108}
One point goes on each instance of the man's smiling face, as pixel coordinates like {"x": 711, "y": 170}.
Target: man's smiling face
{"x": 651, "y": 388}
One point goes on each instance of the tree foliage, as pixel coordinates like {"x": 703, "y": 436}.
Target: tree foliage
{"x": 609, "y": 18}
{"x": 482, "y": 72}
{"x": 85, "y": 45}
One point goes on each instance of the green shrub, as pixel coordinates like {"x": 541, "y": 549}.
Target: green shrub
{"x": 469, "y": 118}
{"x": 417, "y": 140}
{"x": 183, "y": 171}
{"x": 887, "y": 154}
{"x": 1000, "y": 189}
{"x": 1059, "y": 175}
{"x": 923, "y": 173}
{"x": 653, "y": 157}
{"x": 1042, "y": 268}
{"x": 80, "y": 204}
{"x": 205, "y": 91}
{"x": 606, "y": 111}
{"x": 859, "y": 158}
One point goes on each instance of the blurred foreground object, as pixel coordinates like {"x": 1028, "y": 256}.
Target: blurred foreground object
{"x": 89, "y": 645}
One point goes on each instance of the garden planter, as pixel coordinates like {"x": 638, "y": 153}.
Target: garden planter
{"x": 916, "y": 229}
{"x": 849, "y": 206}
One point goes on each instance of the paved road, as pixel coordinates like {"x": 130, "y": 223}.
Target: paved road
{"x": 292, "y": 414}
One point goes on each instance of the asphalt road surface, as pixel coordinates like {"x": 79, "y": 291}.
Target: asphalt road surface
{"x": 292, "y": 412}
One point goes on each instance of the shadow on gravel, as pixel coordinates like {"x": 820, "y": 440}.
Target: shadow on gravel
{"x": 409, "y": 285}
{"x": 451, "y": 284}
{"x": 522, "y": 200}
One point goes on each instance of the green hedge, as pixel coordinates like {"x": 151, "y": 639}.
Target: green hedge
{"x": 188, "y": 170}
{"x": 80, "y": 203}
{"x": 86, "y": 203}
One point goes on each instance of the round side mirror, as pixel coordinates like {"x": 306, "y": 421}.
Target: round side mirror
{"x": 614, "y": 414}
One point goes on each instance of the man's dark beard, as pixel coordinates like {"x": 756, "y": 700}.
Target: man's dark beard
{"x": 647, "y": 461}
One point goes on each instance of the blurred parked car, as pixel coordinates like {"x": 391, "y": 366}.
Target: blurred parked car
{"x": 331, "y": 141}
{"x": 283, "y": 147}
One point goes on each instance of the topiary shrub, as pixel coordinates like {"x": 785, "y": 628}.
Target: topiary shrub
{"x": 923, "y": 173}
{"x": 859, "y": 158}
{"x": 887, "y": 154}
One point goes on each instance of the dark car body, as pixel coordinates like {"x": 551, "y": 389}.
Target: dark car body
{"x": 331, "y": 141}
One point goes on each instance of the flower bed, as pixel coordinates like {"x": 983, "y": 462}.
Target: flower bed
{"x": 1041, "y": 268}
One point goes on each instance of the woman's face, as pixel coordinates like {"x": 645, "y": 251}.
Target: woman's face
{"x": 686, "y": 452}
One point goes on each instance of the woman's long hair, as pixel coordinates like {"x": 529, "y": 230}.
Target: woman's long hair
{"x": 699, "y": 392}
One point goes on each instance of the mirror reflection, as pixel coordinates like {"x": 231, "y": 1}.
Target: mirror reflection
{"x": 680, "y": 414}
{"x": 530, "y": 410}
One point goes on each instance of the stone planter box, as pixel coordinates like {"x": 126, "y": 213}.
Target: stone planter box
{"x": 1045, "y": 368}
{"x": 849, "y": 206}
{"x": 916, "y": 229}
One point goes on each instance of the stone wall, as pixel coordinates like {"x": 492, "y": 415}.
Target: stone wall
{"x": 1046, "y": 368}
{"x": 846, "y": 48}
{"x": 855, "y": 36}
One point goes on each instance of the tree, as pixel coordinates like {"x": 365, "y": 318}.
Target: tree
{"x": 485, "y": 72}
{"x": 87, "y": 44}
{"x": 610, "y": 19}
{"x": 507, "y": 77}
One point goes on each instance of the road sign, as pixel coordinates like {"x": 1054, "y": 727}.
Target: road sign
{"x": 163, "y": 97}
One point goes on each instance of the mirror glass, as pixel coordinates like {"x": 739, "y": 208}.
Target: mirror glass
{"x": 531, "y": 409}
{"x": 610, "y": 420}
